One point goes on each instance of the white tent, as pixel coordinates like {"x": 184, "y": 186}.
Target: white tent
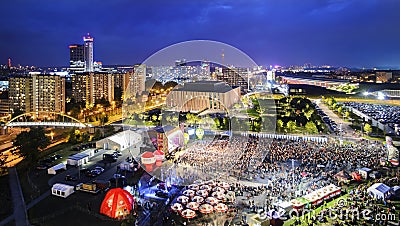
{"x": 62, "y": 190}
{"x": 53, "y": 170}
{"x": 120, "y": 141}
{"x": 78, "y": 159}
{"x": 379, "y": 190}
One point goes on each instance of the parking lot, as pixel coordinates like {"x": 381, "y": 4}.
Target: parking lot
{"x": 385, "y": 114}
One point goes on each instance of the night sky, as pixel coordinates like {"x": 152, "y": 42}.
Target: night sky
{"x": 359, "y": 33}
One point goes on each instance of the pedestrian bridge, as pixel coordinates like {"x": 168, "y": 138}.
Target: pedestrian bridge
{"x": 48, "y": 124}
{"x": 49, "y": 119}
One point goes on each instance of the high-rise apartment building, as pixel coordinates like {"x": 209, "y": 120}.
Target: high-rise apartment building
{"x": 48, "y": 93}
{"x": 135, "y": 81}
{"x": 20, "y": 91}
{"x": 88, "y": 52}
{"x": 103, "y": 87}
{"x": 88, "y": 87}
{"x": 235, "y": 77}
{"x": 37, "y": 93}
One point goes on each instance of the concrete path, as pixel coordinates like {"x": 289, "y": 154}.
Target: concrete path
{"x": 20, "y": 214}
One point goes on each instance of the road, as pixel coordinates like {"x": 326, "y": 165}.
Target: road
{"x": 20, "y": 213}
{"x": 345, "y": 125}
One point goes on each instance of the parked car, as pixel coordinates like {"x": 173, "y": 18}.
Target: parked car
{"x": 117, "y": 153}
{"x": 109, "y": 158}
{"x": 58, "y": 156}
{"x": 96, "y": 171}
{"x": 41, "y": 167}
{"x": 117, "y": 175}
{"x": 53, "y": 158}
{"x": 70, "y": 178}
{"x": 99, "y": 168}
{"x": 92, "y": 173}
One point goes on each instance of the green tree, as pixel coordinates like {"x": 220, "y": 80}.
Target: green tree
{"x": 30, "y": 142}
{"x": 191, "y": 119}
{"x": 279, "y": 125}
{"x": 85, "y": 137}
{"x": 367, "y": 128}
{"x": 97, "y": 134}
{"x": 311, "y": 128}
{"x": 309, "y": 113}
{"x": 74, "y": 136}
{"x": 291, "y": 126}
{"x": 340, "y": 109}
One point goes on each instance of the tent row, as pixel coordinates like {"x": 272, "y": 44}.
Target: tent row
{"x": 288, "y": 137}
{"x": 316, "y": 197}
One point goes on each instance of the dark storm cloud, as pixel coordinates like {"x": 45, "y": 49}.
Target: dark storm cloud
{"x": 338, "y": 32}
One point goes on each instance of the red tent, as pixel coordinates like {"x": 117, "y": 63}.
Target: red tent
{"x": 356, "y": 176}
{"x": 117, "y": 203}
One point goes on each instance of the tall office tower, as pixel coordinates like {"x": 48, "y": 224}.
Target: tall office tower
{"x": 88, "y": 87}
{"x": 76, "y": 57}
{"x": 37, "y": 93}
{"x": 20, "y": 89}
{"x": 88, "y": 52}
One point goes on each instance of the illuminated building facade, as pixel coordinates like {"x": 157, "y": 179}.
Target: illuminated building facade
{"x": 88, "y": 53}
{"x": 20, "y": 91}
{"x": 88, "y": 87}
{"x": 76, "y": 57}
{"x": 203, "y": 95}
{"x": 235, "y": 77}
{"x": 134, "y": 82}
{"x": 37, "y": 93}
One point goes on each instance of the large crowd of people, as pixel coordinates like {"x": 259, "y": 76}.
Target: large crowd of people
{"x": 286, "y": 168}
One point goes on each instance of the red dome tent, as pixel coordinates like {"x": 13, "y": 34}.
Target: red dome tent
{"x": 117, "y": 203}
{"x": 148, "y": 160}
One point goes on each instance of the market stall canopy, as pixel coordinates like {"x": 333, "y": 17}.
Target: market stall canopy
{"x": 379, "y": 190}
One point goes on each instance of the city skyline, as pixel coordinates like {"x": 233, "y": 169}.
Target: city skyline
{"x": 335, "y": 32}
